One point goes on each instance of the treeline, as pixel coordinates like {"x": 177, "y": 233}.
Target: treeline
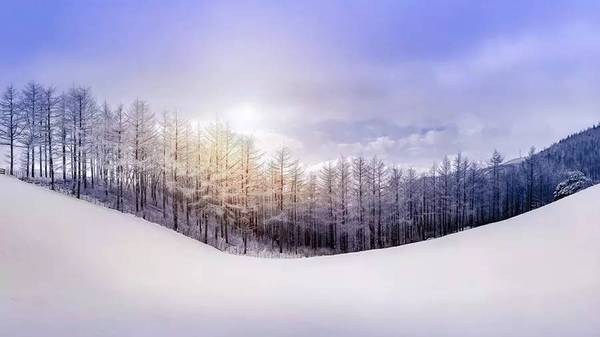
{"x": 214, "y": 185}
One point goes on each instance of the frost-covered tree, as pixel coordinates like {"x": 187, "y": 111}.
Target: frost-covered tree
{"x": 359, "y": 188}
{"x": 141, "y": 126}
{"x": 495, "y": 162}
{"x": 50, "y": 104}
{"x": 31, "y": 101}
{"x": 327, "y": 192}
{"x": 343, "y": 201}
{"x": 81, "y": 107}
{"x": 12, "y": 124}
{"x": 574, "y": 182}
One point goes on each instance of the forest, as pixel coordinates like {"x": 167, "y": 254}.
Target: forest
{"x": 216, "y": 186}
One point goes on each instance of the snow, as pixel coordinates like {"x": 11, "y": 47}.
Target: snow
{"x": 70, "y": 268}
{"x": 514, "y": 161}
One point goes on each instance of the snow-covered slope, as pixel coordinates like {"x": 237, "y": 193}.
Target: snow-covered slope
{"x": 69, "y": 268}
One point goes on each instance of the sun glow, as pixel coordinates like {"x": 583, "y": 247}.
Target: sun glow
{"x": 244, "y": 117}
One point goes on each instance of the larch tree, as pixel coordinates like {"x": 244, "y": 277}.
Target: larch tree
{"x": 343, "y": 200}
{"x": 327, "y": 191}
{"x": 11, "y": 124}
{"x": 359, "y": 175}
{"x": 495, "y": 162}
{"x": 31, "y": 102}
{"x": 50, "y": 103}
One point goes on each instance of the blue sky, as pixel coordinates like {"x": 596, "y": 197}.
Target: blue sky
{"x": 407, "y": 80}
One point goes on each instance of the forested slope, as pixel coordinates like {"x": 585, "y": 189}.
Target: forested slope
{"x": 218, "y": 187}
{"x": 579, "y": 151}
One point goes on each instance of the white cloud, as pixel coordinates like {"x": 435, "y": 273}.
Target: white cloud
{"x": 269, "y": 142}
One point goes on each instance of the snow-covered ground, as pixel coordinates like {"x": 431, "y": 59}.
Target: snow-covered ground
{"x": 70, "y": 268}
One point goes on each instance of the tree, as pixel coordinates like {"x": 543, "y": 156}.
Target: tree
{"x": 165, "y": 127}
{"x": 119, "y": 143}
{"x": 410, "y": 199}
{"x": 63, "y": 131}
{"x": 50, "y": 104}
{"x": 296, "y": 182}
{"x": 177, "y": 134}
{"x": 281, "y": 166}
{"x": 434, "y": 202}
{"x": 444, "y": 172}
{"x": 327, "y": 192}
{"x": 105, "y": 137}
{"x": 140, "y": 122}
{"x": 81, "y": 108}
{"x": 530, "y": 164}
{"x": 11, "y": 123}
{"x": 343, "y": 198}
{"x": 249, "y": 184}
{"x": 376, "y": 175}
{"x": 31, "y": 105}
{"x": 359, "y": 174}
{"x": 395, "y": 183}
{"x": 495, "y": 162}
{"x": 312, "y": 202}
{"x": 575, "y": 182}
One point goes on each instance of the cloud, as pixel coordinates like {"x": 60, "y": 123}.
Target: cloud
{"x": 332, "y": 78}
{"x": 269, "y": 142}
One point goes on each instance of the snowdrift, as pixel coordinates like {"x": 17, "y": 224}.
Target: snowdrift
{"x": 70, "y": 268}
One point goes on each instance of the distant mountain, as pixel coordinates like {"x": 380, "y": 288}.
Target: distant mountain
{"x": 515, "y": 161}
{"x": 579, "y": 151}
{"x": 529, "y": 182}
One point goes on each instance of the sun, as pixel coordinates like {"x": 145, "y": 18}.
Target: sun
{"x": 246, "y": 113}
{"x": 244, "y": 117}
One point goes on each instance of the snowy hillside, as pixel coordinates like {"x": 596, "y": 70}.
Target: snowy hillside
{"x": 69, "y": 268}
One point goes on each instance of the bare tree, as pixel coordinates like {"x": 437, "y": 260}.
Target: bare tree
{"x": 31, "y": 104}
{"x": 50, "y": 104}
{"x": 11, "y": 123}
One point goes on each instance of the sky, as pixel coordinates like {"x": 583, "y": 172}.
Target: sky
{"x": 408, "y": 81}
